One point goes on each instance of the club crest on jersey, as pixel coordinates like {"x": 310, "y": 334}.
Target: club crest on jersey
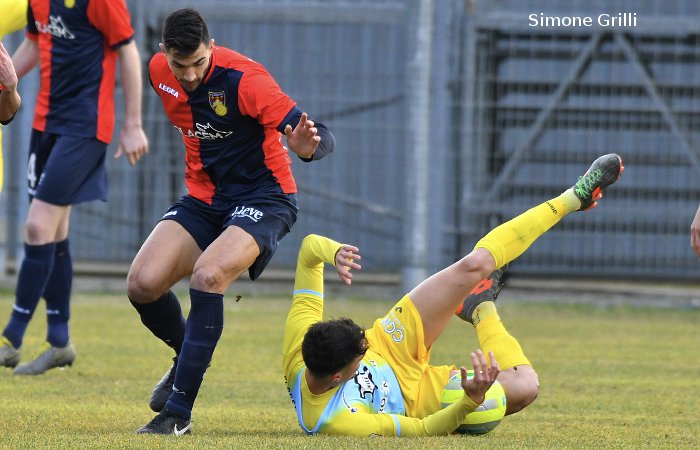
{"x": 365, "y": 383}
{"x": 217, "y": 101}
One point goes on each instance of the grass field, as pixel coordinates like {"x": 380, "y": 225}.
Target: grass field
{"x": 610, "y": 378}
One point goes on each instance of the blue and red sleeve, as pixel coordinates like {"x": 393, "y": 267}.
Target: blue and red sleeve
{"x": 260, "y": 96}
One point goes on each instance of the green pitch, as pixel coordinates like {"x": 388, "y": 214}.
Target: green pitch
{"x": 610, "y": 378}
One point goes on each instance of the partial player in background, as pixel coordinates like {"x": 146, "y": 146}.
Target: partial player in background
{"x": 348, "y": 381}
{"x": 13, "y": 18}
{"x": 241, "y": 199}
{"x": 695, "y": 233}
{"x": 78, "y": 44}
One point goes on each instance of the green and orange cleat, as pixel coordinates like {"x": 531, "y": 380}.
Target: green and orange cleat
{"x": 603, "y": 172}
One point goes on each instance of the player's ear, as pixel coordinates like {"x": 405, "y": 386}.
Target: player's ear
{"x": 162, "y": 48}
{"x": 336, "y": 377}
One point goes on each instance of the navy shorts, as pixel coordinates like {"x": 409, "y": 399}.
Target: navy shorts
{"x": 268, "y": 219}
{"x": 66, "y": 170}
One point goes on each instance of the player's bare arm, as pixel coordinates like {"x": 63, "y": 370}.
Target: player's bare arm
{"x": 132, "y": 139}
{"x": 9, "y": 98}
{"x": 345, "y": 259}
{"x": 26, "y": 57}
{"x": 303, "y": 139}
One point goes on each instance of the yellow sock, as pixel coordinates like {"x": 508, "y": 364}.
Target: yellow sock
{"x": 493, "y": 337}
{"x": 510, "y": 239}
{"x": 484, "y": 310}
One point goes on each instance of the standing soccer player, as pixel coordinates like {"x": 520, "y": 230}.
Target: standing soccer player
{"x": 241, "y": 199}
{"x": 77, "y": 43}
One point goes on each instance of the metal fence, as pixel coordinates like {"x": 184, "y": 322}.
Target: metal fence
{"x": 515, "y": 114}
{"x": 546, "y": 101}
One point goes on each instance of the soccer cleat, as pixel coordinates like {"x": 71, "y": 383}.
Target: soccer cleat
{"x": 9, "y": 355}
{"x": 603, "y": 172}
{"x": 166, "y": 423}
{"x": 486, "y": 291}
{"x": 48, "y": 358}
{"x": 163, "y": 389}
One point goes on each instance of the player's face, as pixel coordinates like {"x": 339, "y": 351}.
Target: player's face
{"x": 190, "y": 69}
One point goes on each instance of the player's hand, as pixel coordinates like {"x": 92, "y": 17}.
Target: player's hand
{"x": 695, "y": 233}
{"x": 302, "y": 140}
{"x": 345, "y": 260}
{"x": 133, "y": 143}
{"x": 484, "y": 376}
{"x": 8, "y": 76}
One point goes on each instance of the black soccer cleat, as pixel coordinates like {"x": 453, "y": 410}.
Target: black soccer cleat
{"x": 166, "y": 423}
{"x": 486, "y": 291}
{"x": 163, "y": 389}
{"x": 603, "y": 172}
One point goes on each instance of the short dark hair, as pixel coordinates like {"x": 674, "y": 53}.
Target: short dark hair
{"x": 331, "y": 345}
{"x": 183, "y": 31}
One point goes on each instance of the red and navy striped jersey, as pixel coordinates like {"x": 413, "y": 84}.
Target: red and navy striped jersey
{"x": 77, "y": 42}
{"x": 231, "y": 128}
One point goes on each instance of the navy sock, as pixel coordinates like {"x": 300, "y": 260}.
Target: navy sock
{"x": 164, "y": 319}
{"x": 33, "y": 274}
{"x": 204, "y": 326}
{"x": 57, "y": 296}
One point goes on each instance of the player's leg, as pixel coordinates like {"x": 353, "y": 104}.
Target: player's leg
{"x": 58, "y": 348}
{"x": 218, "y": 266}
{"x": 518, "y": 378}
{"x": 167, "y": 256}
{"x": 440, "y": 295}
{"x": 40, "y": 227}
{"x": 58, "y": 288}
{"x": 39, "y": 250}
{"x": 62, "y": 171}
{"x": 42, "y": 221}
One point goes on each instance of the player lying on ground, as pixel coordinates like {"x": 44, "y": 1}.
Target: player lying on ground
{"x": 341, "y": 377}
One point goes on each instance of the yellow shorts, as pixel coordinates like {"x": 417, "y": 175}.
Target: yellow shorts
{"x": 398, "y": 338}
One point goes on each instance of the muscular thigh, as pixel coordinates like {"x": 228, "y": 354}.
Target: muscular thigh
{"x": 234, "y": 251}
{"x": 46, "y": 223}
{"x": 437, "y": 298}
{"x": 167, "y": 256}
